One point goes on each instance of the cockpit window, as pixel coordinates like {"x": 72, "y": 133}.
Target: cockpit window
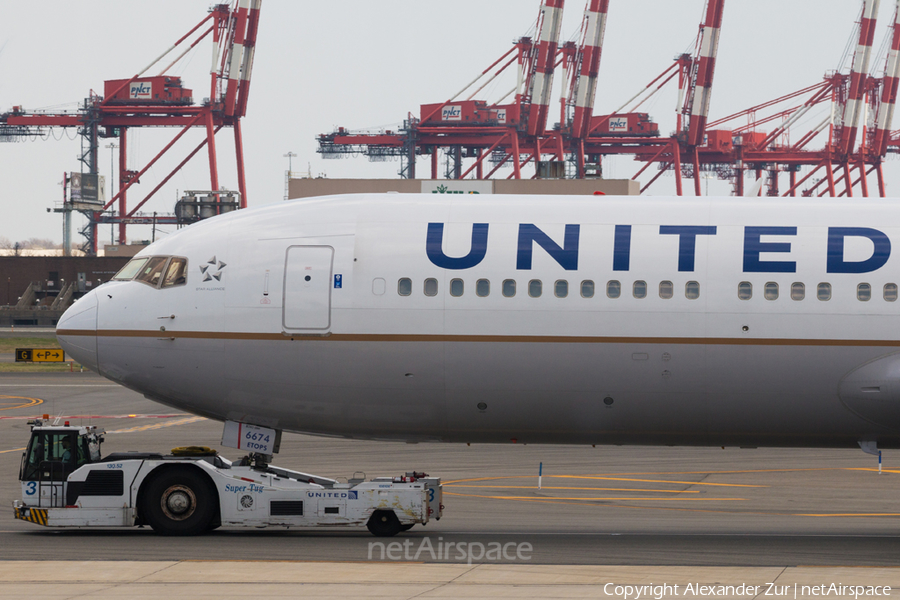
{"x": 176, "y": 274}
{"x": 131, "y": 269}
{"x": 152, "y": 272}
{"x": 157, "y": 271}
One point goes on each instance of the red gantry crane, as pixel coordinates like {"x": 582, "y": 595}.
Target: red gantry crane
{"x": 471, "y": 128}
{"x": 858, "y": 100}
{"x": 516, "y": 134}
{"x": 695, "y": 80}
{"x": 160, "y": 101}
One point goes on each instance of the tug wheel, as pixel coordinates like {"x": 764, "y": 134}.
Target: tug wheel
{"x": 384, "y": 523}
{"x": 179, "y": 502}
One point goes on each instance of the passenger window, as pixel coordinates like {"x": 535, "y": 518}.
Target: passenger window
{"x": 152, "y": 271}
{"x": 823, "y": 292}
{"x": 798, "y": 291}
{"x": 131, "y": 269}
{"x": 509, "y": 288}
{"x": 613, "y": 289}
{"x": 404, "y": 286}
{"x": 176, "y": 274}
{"x": 431, "y": 286}
{"x": 639, "y": 289}
{"x": 587, "y": 289}
{"x": 864, "y": 292}
{"x": 745, "y": 290}
{"x": 666, "y": 290}
{"x": 482, "y": 288}
{"x": 771, "y": 291}
{"x": 535, "y": 288}
{"x": 561, "y": 289}
{"x": 456, "y": 287}
{"x": 378, "y": 286}
{"x": 692, "y": 290}
{"x": 890, "y": 292}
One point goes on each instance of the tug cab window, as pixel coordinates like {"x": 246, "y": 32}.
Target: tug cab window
{"x": 51, "y": 456}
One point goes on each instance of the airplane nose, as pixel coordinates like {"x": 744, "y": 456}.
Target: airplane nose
{"x": 77, "y": 331}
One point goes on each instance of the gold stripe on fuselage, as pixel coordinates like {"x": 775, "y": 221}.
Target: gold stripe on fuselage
{"x": 520, "y": 339}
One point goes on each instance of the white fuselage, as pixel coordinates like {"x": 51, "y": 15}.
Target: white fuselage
{"x": 417, "y": 317}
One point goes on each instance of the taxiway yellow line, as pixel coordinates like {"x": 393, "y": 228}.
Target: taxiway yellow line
{"x": 159, "y": 425}
{"x": 871, "y": 470}
{"x": 737, "y": 472}
{"x": 847, "y": 515}
{"x": 553, "y": 487}
{"x": 30, "y": 402}
{"x": 743, "y": 485}
{"x": 614, "y": 498}
{"x": 609, "y": 478}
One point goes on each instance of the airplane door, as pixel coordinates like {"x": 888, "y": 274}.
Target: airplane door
{"x": 307, "y": 288}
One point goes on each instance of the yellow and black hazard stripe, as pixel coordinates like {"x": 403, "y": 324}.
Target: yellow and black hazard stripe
{"x": 32, "y": 515}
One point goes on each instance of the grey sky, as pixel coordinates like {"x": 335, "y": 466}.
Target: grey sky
{"x": 363, "y": 64}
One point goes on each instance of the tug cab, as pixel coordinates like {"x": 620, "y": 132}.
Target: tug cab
{"x": 52, "y": 454}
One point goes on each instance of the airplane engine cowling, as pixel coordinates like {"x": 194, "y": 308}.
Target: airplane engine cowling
{"x": 872, "y": 391}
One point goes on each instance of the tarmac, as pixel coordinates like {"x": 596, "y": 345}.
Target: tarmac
{"x": 191, "y": 580}
{"x": 605, "y": 515}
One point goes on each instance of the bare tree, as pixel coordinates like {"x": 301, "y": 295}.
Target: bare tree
{"x": 38, "y": 243}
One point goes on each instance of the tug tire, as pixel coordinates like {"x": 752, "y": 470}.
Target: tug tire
{"x": 179, "y": 501}
{"x": 384, "y": 523}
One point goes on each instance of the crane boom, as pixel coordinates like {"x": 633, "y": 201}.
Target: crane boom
{"x": 696, "y": 106}
{"x": 888, "y": 90}
{"x": 588, "y": 65}
{"x": 858, "y": 76}
{"x": 540, "y": 82}
{"x": 249, "y": 51}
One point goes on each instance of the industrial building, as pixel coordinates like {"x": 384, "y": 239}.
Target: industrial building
{"x": 308, "y": 187}
{"x": 37, "y": 289}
